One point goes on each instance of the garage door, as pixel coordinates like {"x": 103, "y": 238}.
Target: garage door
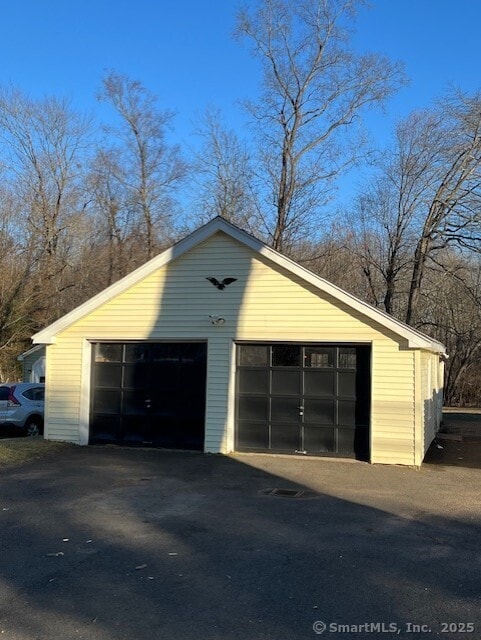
{"x": 311, "y": 399}
{"x": 149, "y": 394}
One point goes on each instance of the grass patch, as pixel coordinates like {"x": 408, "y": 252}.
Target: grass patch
{"x": 17, "y": 450}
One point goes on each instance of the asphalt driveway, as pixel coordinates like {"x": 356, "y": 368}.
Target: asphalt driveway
{"x": 459, "y": 440}
{"x": 108, "y": 543}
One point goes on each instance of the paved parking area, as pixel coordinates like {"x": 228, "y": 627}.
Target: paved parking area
{"x": 459, "y": 441}
{"x": 107, "y": 543}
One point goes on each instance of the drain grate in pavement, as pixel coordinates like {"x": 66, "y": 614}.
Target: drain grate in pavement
{"x": 289, "y": 493}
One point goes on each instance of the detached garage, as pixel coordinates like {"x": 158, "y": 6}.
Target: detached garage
{"x": 222, "y": 344}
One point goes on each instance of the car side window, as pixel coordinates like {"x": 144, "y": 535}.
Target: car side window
{"x": 4, "y": 393}
{"x": 39, "y": 394}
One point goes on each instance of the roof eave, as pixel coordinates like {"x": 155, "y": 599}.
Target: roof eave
{"x": 33, "y": 349}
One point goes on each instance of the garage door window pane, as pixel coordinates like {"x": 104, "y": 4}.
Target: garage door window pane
{"x": 347, "y": 358}
{"x": 319, "y": 383}
{"x": 166, "y": 377}
{"x": 286, "y": 383}
{"x": 108, "y": 353}
{"x": 319, "y": 411}
{"x": 251, "y": 355}
{"x": 320, "y": 357}
{"x": 107, "y": 401}
{"x": 164, "y": 353}
{"x": 136, "y": 352}
{"x": 253, "y": 408}
{"x": 284, "y": 437}
{"x": 346, "y": 440}
{"x": 285, "y": 409}
{"x": 136, "y": 375}
{"x": 106, "y": 428}
{"x": 347, "y": 412}
{"x": 188, "y": 375}
{"x": 252, "y": 381}
{"x": 286, "y": 355}
{"x": 253, "y": 436}
{"x": 319, "y": 439}
{"x": 347, "y": 383}
{"x": 192, "y": 353}
{"x": 134, "y": 402}
{"x": 108, "y": 375}
{"x": 135, "y": 430}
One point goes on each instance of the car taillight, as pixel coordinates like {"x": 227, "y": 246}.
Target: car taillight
{"x": 12, "y": 400}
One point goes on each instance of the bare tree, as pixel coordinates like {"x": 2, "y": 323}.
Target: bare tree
{"x": 17, "y": 263}
{"x": 386, "y": 214}
{"x": 417, "y": 231}
{"x": 115, "y": 222}
{"x": 453, "y": 212}
{"x": 450, "y": 308}
{"x": 150, "y": 170}
{"x": 335, "y": 258}
{"x": 43, "y": 144}
{"x": 224, "y": 175}
{"x": 315, "y": 89}
{"x": 425, "y": 197}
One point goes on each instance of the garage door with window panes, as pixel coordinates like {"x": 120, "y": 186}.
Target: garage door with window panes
{"x": 149, "y": 394}
{"x": 311, "y": 399}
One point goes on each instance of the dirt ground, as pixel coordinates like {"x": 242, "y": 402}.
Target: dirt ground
{"x": 459, "y": 441}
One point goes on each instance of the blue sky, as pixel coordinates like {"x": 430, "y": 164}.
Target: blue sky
{"x": 184, "y": 52}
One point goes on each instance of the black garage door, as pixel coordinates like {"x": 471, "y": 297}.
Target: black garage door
{"x": 312, "y": 399}
{"x": 149, "y": 394}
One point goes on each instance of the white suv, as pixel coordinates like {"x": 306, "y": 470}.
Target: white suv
{"x": 22, "y": 408}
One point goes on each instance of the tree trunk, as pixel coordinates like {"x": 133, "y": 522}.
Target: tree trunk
{"x": 420, "y": 256}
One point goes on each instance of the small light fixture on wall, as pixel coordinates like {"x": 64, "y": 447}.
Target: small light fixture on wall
{"x": 217, "y": 321}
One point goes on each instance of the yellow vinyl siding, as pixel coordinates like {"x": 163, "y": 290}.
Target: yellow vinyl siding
{"x": 217, "y": 393}
{"x": 267, "y": 303}
{"x": 62, "y": 407}
{"x": 392, "y": 410}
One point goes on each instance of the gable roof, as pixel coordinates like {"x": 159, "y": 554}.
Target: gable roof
{"x": 29, "y": 352}
{"x": 415, "y": 338}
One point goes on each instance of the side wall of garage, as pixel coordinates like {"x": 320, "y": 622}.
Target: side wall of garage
{"x": 265, "y": 303}
{"x": 432, "y": 383}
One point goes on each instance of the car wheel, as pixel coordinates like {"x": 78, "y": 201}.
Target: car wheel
{"x": 34, "y": 427}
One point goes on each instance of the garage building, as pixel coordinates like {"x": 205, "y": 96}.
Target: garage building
{"x": 222, "y": 344}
